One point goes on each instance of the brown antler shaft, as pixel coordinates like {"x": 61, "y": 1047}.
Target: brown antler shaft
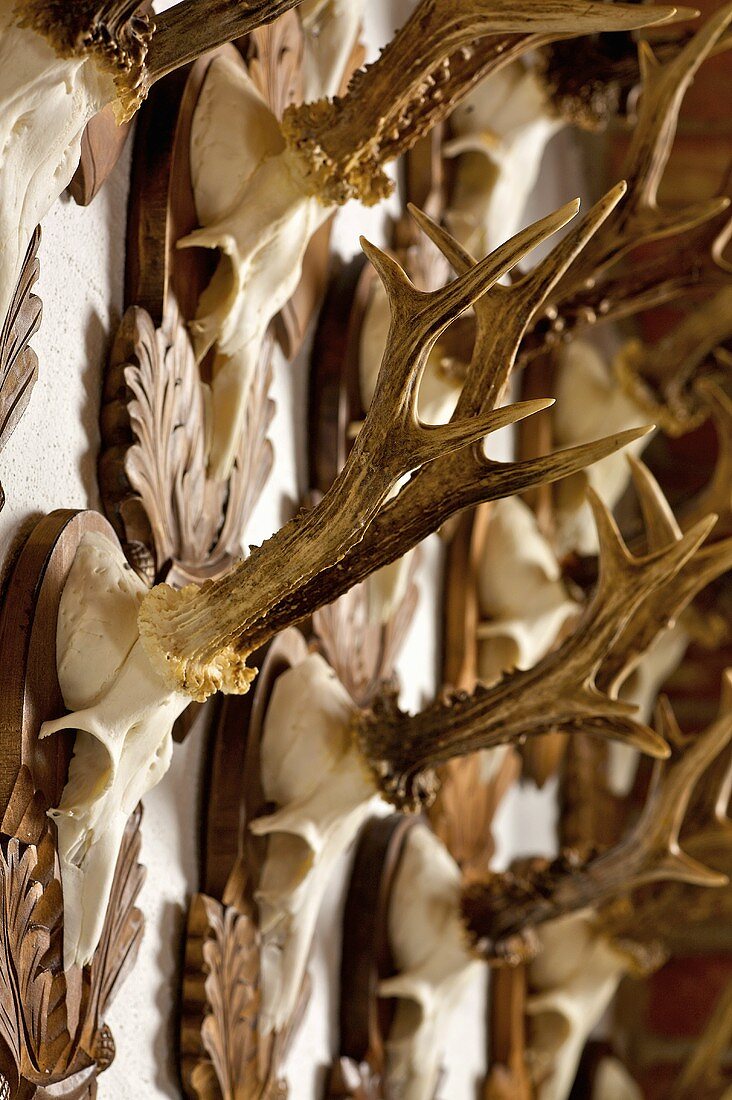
{"x": 458, "y": 481}
{"x": 193, "y": 27}
{"x": 500, "y": 911}
{"x": 559, "y": 692}
{"x": 203, "y": 636}
{"x": 427, "y": 68}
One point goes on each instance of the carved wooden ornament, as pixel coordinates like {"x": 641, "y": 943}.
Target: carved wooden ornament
{"x": 54, "y": 1039}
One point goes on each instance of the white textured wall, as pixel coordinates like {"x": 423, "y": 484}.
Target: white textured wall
{"x": 51, "y": 462}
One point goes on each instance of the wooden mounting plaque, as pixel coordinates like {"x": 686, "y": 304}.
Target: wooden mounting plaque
{"x": 53, "y": 1040}
{"x": 365, "y": 1018}
{"x": 28, "y": 682}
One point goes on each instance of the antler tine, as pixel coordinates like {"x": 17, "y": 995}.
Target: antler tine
{"x": 500, "y": 911}
{"x": 441, "y": 53}
{"x": 559, "y": 692}
{"x": 639, "y": 219}
{"x": 663, "y": 606}
{"x": 504, "y": 315}
{"x": 661, "y": 375}
{"x": 201, "y": 638}
{"x": 659, "y": 521}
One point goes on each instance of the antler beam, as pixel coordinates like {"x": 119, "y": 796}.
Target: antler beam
{"x": 200, "y": 638}
{"x": 429, "y": 66}
{"x": 561, "y": 691}
{"x": 499, "y": 913}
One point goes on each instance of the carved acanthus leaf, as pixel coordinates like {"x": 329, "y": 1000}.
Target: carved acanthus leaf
{"x": 363, "y": 653}
{"x": 18, "y": 361}
{"x": 37, "y": 1051}
{"x": 275, "y": 62}
{"x": 154, "y": 469}
{"x": 228, "y": 1058}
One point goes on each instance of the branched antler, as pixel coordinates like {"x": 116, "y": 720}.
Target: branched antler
{"x": 706, "y": 835}
{"x": 659, "y": 611}
{"x": 442, "y": 52}
{"x": 594, "y": 289}
{"x": 501, "y": 912}
{"x": 202, "y": 637}
{"x": 660, "y": 376}
{"x": 467, "y": 478}
{"x": 561, "y": 691}
{"x": 639, "y": 219}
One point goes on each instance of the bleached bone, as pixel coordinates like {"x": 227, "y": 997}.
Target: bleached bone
{"x": 58, "y": 70}
{"x": 46, "y": 102}
{"x": 312, "y": 771}
{"x": 499, "y": 135}
{"x": 613, "y": 1082}
{"x": 124, "y": 713}
{"x": 336, "y": 151}
{"x": 432, "y": 961}
{"x": 571, "y": 983}
{"x": 589, "y": 403}
{"x": 521, "y": 593}
{"x": 196, "y": 641}
{"x": 641, "y": 689}
{"x": 254, "y": 207}
{"x": 331, "y": 29}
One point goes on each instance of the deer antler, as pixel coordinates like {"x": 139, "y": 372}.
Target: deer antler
{"x": 659, "y": 376}
{"x": 561, "y": 691}
{"x": 706, "y": 836}
{"x": 428, "y": 67}
{"x": 639, "y": 219}
{"x": 467, "y": 478}
{"x": 201, "y": 638}
{"x": 717, "y": 497}
{"x": 591, "y": 292}
{"x": 665, "y": 604}
{"x": 498, "y": 913}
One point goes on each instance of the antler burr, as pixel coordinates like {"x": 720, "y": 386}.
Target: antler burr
{"x": 200, "y": 637}
{"x": 500, "y": 912}
{"x": 432, "y": 63}
{"x": 135, "y": 47}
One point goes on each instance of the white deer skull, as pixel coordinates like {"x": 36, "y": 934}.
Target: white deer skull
{"x": 124, "y": 715}
{"x": 45, "y": 104}
{"x": 255, "y": 207}
{"x": 429, "y": 947}
{"x": 521, "y": 593}
{"x": 313, "y": 772}
{"x": 500, "y": 132}
{"x": 641, "y": 689}
{"x": 331, "y": 28}
{"x": 571, "y": 982}
{"x": 590, "y": 403}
